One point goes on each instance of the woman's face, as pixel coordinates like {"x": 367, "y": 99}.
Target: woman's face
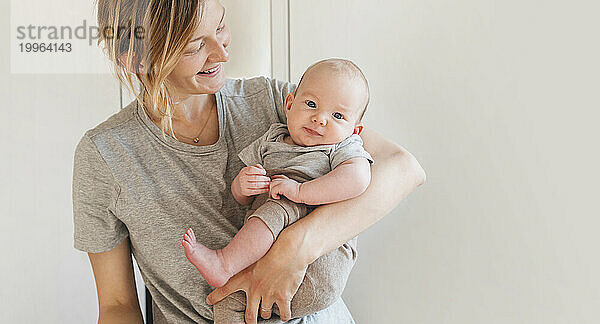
{"x": 200, "y": 69}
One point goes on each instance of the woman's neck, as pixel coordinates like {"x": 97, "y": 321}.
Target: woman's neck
{"x": 194, "y": 120}
{"x": 193, "y": 109}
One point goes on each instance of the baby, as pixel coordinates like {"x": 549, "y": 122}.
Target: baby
{"x": 317, "y": 158}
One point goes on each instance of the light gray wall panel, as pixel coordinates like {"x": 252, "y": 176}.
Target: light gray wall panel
{"x": 498, "y": 100}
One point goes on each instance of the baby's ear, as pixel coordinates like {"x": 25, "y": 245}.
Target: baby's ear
{"x": 358, "y": 129}
{"x": 288, "y": 102}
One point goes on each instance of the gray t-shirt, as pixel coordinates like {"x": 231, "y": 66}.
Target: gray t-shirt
{"x": 131, "y": 182}
{"x": 313, "y": 162}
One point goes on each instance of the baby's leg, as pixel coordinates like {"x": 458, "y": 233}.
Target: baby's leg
{"x": 277, "y": 214}
{"x": 322, "y": 286}
{"x": 216, "y": 266}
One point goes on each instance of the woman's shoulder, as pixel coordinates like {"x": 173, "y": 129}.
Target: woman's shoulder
{"x": 256, "y": 86}
{"x": 116, "y": 122}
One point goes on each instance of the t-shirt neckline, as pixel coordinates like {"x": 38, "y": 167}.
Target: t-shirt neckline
{"x": 172, "y": 143}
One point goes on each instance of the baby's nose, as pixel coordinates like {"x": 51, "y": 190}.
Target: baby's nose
{"x": 319, "y": 119}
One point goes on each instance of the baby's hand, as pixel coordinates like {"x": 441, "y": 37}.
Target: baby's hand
{"x": 282, "y": 185}
{"x": 253, "y": 180}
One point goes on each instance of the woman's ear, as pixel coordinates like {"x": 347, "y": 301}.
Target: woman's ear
{"x": 288, "y": 102}
{"x": 123, "y": 61}
{"x": 358, "y": 129}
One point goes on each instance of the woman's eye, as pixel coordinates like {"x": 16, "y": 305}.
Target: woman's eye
{"x": 220, "y": 29}
{"x": 195, "y": 51}
{"x": 337, "y": 115}
{"x": 311, "y": 103}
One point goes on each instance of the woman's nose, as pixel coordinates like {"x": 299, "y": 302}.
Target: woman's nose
{"x": 220, "y": 53}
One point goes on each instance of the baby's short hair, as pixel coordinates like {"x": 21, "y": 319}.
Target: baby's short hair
{"x": 343, "y": 67}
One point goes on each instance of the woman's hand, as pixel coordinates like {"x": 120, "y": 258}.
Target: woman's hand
{"x": 274, "y": 279}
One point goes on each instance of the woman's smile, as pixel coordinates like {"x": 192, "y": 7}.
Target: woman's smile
{"x": 212, "y": 72}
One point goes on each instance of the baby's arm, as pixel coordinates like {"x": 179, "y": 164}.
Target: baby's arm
{"x": 251, "y": 181}
{"x": 346, "y": 181}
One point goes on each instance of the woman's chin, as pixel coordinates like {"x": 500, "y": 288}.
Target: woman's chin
{"x": 210, "y": 86}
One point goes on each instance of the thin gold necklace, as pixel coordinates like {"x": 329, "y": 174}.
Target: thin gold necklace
{"x": 197, "y": 138}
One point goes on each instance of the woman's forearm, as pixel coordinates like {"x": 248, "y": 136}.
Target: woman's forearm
{"x": 395, "y": 174}
{"x": 120, "y": 314}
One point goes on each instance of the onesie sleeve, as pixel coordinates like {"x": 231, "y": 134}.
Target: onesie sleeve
{"x": 251, "y": 154}
{"x": 347, "y": 149}
{"x": 96, "y": 227}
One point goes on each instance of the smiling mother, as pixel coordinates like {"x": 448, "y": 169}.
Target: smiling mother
{"x": 166, "y": 163}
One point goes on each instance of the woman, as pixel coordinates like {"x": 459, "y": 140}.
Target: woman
{"x": 166, "y": 162}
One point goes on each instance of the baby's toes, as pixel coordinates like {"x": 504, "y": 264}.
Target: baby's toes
{"x": 190, "y": 232}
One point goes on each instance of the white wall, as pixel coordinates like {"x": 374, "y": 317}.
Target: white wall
{"x": 498, "y": 100}
{"x": 250, "y": 51}
{"x": 43, "y": 278}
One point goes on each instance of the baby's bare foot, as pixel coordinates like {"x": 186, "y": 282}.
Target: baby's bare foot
{"x": 208, "y": 262}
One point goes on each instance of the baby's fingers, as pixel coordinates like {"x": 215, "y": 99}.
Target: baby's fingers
{"x": 257, "y": 178}
{"x": 258, "y": 185}
{"x": 274, "y": 192}
{"x": 255, "y": 169}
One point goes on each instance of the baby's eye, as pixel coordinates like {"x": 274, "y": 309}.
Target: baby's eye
{"x": 311, "y": 103}
{"x": 337, "y": 115}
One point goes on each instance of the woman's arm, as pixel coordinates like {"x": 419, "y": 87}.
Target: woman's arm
{"x": 277, "y": 276}
{"x": 115, "y": 283}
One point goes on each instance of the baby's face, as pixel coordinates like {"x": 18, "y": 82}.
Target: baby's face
{"x": 325, "y": 109}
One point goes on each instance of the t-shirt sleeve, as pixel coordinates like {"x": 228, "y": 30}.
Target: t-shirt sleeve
{"x": 347, "y": 149}
{"x": 96, "y": 228}
{"x": 280, "y": 90}
{"x": 251, "y": 154}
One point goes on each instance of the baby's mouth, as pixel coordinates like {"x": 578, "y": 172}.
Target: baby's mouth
{"x": 312, "y": 131}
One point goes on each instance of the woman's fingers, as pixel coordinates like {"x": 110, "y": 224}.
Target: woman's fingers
{"x": 266, "y": 306}
{"x": 284, "y": 308}
{"x": 252, "y": 302}
{"x": 232, "y": 285}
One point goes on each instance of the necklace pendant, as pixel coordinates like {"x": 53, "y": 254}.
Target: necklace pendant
{"x": 196, "y": 140}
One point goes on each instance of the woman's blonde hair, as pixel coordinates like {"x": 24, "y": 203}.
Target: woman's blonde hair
{"x": 153, "y": 34}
